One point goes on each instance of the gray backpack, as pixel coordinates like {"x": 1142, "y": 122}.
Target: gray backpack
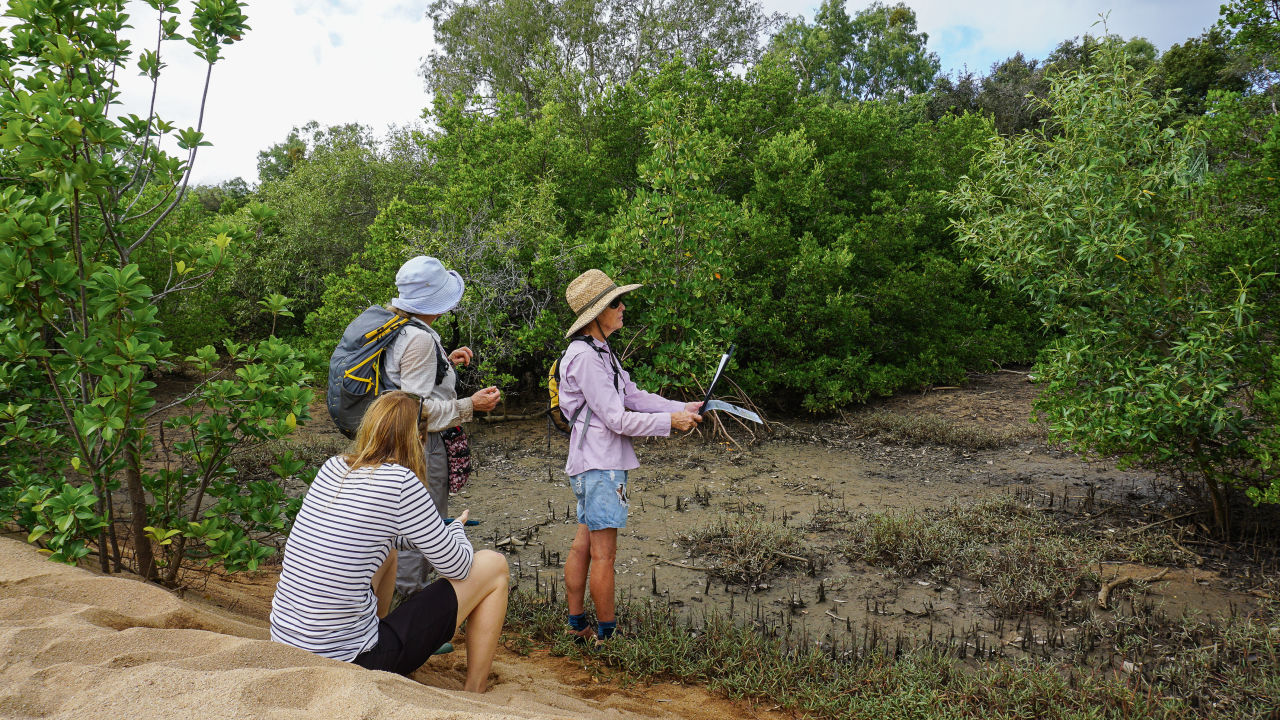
{"x": 356, "y": 371}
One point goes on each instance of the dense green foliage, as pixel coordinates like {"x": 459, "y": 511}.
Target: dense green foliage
{"x": 790, "y": 225}
{"x": 875, "y": 54}
{"x": 568, "y": 51}
{"x": 98, "y": 233}
{"x": 1115, "y": 226}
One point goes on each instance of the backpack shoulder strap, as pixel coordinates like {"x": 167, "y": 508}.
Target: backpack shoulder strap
{"x": 442, "y": 362}
{"x": 610, "y": 359}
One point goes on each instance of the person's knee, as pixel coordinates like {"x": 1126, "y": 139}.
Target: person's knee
{"x": 603, "y": 553}
{"x": 491, "y": 566}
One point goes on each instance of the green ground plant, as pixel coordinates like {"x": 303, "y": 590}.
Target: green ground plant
{"x": 83, "y": 211}
{"x": 1024, "y": 558}
{"x": 747, "y": 548}
{"x": 819, "y": 677}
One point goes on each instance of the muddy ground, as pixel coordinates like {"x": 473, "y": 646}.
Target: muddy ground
{"x": 804, "y": 472}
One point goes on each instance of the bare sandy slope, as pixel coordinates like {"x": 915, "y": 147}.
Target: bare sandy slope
{"x": 78, "y": 645}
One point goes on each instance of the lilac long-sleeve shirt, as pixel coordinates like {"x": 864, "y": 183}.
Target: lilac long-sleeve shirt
{"x": 616, "y": 415}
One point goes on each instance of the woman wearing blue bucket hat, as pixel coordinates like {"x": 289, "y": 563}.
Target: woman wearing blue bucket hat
{"x": 417, "y": 363}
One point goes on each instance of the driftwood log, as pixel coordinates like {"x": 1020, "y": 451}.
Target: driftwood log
{"x": 1105, "y": 593}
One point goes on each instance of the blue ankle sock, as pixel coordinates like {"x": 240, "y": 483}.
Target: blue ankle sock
{"x": 604, "y": 630}
{"x": 578, "y": 622}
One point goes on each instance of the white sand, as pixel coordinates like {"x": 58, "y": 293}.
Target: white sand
{"x": 78, "y": 645}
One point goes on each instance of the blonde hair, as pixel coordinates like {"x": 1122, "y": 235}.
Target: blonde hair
{"x": 389, "y": 433}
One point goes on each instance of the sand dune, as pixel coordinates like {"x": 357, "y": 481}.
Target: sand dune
{"x": 78, "y": 645}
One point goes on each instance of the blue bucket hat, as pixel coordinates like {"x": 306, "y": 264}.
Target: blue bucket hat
{"x": 426, "y": 287}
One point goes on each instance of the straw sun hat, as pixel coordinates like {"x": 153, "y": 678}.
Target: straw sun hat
{"x": 589, "y": 294}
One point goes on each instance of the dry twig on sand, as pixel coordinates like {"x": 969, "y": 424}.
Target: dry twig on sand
{"x": 673, "y": 563}
{"x": 1105, "y": 593}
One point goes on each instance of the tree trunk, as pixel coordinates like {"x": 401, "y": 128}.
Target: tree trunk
{"x": 146, "y": 565}
{"x": 104, "y": 556}
{"x": 1221, "y": 511}
{"x": 111, "y": 530}
{"x": 175, "y": 559}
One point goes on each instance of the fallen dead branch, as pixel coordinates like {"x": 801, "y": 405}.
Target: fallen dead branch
{"x": 797, "y": 558}
{"x": 672, "y": 563}
{"x": 1199, "y": 560}
{"x": 1161, "y": 522}
{"x": 1105, "y": 593}
{"x": 508, "y": 417}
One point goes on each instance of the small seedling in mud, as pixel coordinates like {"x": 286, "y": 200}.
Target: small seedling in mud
{"x": 702, "y": 496}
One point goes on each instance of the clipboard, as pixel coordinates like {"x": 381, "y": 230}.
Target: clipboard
{"x": 708, "y": 404}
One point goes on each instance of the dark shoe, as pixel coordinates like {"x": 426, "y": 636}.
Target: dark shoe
{"x": 444, "y": 649}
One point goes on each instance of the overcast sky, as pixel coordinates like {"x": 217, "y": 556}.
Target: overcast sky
{"x": 340, "y": 61}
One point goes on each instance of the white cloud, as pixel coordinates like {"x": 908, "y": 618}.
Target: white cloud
{"x": 328, "y": 61}
{"x": 341, "y": 61}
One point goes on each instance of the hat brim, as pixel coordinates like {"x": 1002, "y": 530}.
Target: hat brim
{"x": 592, "y": 311}
{"x": 439, "y": 303}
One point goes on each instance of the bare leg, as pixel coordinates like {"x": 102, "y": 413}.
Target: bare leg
{"x": 384, "y": 583}
{"x": 576, "y": 567}
{"x": 604, "y": 549}
{"x": 482, "y": 602}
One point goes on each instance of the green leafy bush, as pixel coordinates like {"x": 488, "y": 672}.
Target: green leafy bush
{"x": 87, "y": 263}
{"x": 1166, "y": 356}
{"x": 796, "y": 228}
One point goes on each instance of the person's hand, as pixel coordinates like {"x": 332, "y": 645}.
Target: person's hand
{"x": 684, "y": 420}
{"x": 462, "y": 519}
{"x": 461, "y": 356}
{"x": 693, "y": 407}
{"x": 486, "y": 399}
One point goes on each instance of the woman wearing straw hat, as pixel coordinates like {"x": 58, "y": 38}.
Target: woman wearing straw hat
{"x": 607, "y": 411}
{"x": 428, "y": 290}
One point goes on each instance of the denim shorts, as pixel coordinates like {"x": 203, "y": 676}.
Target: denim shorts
{"x": 602, "y": 498}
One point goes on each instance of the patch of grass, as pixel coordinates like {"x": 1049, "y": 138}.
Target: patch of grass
{"x": 818, "y": 678}
{"x": 1029, "y": 560}
{"x": 906, "y": 543}
{"x": 747, "y": 548}
{"x": 1034, "y": 573}
{"x": 919, "y": 429}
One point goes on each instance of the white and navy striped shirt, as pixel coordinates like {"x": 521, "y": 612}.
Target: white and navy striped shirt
{"x": 324, "y": 601}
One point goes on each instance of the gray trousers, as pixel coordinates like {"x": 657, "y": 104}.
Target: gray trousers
{"x": 412, "y": 567}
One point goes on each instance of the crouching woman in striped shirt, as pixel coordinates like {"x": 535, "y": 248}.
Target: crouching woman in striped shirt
{"x": 339, "y": 571}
